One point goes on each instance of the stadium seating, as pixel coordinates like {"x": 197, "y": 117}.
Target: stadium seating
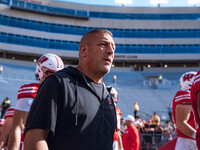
{"x": 14, "y": 74}
{"x": 129, "y": 84}
{"x": 80, "y": 30}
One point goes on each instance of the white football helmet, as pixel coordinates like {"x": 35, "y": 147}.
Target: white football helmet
{"x": 113, "y": 93}
{"x": 47, "y": 63}
{"x": 186, "y": 80}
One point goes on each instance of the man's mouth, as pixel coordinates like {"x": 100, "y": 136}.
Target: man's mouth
{"x": 108, "y": 59}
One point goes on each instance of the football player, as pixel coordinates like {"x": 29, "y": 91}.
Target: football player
{"x": 6, "y": 127}
{"x": 46, "y": 65}
{"x": 195, "y": 101}
{"x": 117, "y": 144}
{"x": 183, "y": 115}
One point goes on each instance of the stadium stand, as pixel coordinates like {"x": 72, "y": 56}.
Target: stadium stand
{"x": 15, "y": 73}
{"x": 144, "y": 36}
{"x": 130, "y": 85}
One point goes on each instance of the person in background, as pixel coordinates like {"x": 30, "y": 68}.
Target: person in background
{"x": 169, "y": 109}
{"x": 4, "y": 106}
{"x": 73, "y": 109}
{"x": 138, "y": 122}
{"x": 117, "y": 144}
{"x": 160, "y": 78}
{"x": 136, "y": 109}
{"x": 158, "y": 131}
{"x": 114, "y": 78}
{"x": 183, "y": 115}
{"x": 148, "y": 134}
{"x": 6, "y": 127}
{"x": 167, "y": 132}
{"x": 123, "y": 126}
{"x": 131, "y": 138}
{"x": 195, "y": 102}
{"x": 155, "y": 119}
{"x": 47, "y": 64}
{"x": 174, "y": 134}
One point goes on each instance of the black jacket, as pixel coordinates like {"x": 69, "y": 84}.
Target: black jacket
{"x": 74, "y": 113}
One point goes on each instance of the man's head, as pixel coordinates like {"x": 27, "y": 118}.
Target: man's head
{"x": 46, "y": 65}
{"x": 129, "y": 120}
{"x": 186, "y": 80}
{"x": 167, "y": 123}
{"x": 137, "y": 118}
{"x": 96, "y": 53}
{"x": 122, "y": 121}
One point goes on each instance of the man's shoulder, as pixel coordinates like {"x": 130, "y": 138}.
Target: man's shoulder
{"x": 66, "y": 72}
{"x": 133, "y": 129}
{"x": 196, "y": 81}
{"x": 69, "y": 75}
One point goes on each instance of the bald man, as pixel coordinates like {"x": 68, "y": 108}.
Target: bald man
{"x": 72, "y": 109}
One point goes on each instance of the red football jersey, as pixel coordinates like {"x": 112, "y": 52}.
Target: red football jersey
{"x": 9, "y": 112}
{"x": 2, "y": 122}
{"x": 28, "y": 90}
{"x": 194, "y": 89}
{"x": 180, "y": 98}
{"x": 119, "y": 115}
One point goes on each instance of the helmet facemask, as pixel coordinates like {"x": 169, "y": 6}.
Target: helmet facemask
{"x": 113, "y": 92}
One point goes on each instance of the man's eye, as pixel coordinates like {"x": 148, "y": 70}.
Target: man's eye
{"x": 103, "y": 44}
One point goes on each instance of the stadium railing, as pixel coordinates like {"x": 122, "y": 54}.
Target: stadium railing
{"x": 93, "y": 14}
{"x": 121, "y": 48}
{"x": 80, "y": 30}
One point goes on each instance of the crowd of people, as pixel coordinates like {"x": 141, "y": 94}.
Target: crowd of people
{"x": 152, "y": 132}
{"x": 72, "y": 109}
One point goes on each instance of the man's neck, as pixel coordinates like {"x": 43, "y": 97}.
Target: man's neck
{"x": 93, "y": 77}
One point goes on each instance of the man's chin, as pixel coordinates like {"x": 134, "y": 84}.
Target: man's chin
{"x": 106, "y": 69}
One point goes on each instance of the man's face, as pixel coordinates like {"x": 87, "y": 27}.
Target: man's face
{"x": 100, "y": 53}
{"x": 128, "y": 123}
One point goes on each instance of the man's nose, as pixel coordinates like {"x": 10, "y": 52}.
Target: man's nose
{"x": 111, "y": 48}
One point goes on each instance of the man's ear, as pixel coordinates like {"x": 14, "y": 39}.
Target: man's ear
{"x": 83, "y": 50}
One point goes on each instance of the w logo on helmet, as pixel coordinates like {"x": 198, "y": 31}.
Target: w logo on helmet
{"x": 42, "y": 60}
{"x": 188, "y": 77}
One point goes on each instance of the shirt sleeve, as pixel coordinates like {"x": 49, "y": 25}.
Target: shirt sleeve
{"x": 43, "y": 112}
{"x": 196, "y": 83}
{"x": 24, "y": 104}
{"x": 158, "y": 119}
{"x": 9, "y": 112}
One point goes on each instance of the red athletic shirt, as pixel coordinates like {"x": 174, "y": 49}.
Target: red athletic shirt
{"x": 28, "y": 90}
{"x": 9, "y": 112}
{"x": 131, "y": 139}
{"x": 119, "y": 115}
{"x": 194, "y": 89}
{"x": 2, "y": 121}
{"x": 180, "y": 98}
